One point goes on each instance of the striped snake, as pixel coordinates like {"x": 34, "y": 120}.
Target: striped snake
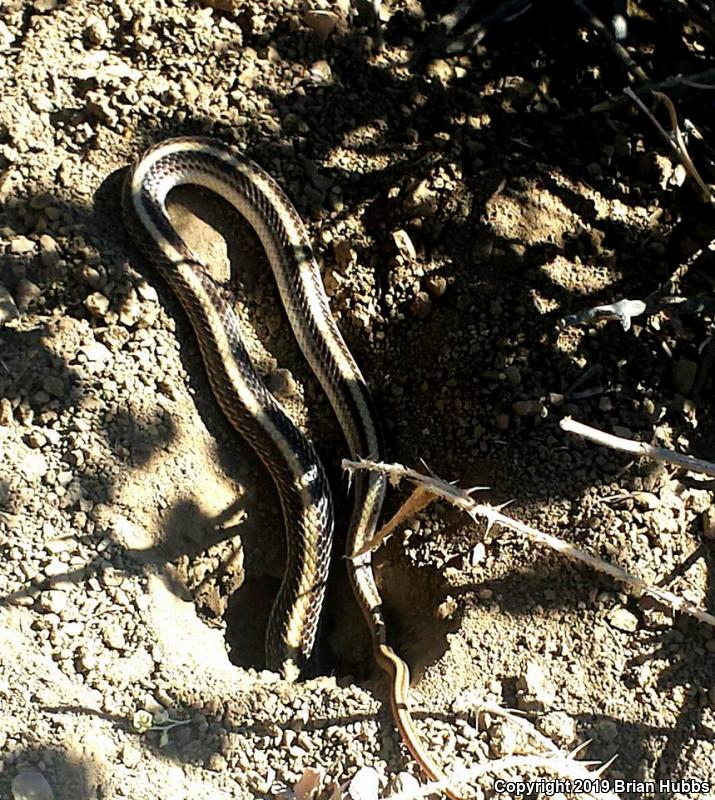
{"x": 290, "y": 458}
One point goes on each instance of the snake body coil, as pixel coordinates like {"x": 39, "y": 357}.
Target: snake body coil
{"x": 299, "y": 477}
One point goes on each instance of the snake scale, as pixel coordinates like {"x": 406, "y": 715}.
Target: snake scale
{"x": 241, "y": 393}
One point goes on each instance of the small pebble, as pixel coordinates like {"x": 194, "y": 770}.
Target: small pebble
{"x": 96, "y": 31}
{"x": 501, "y": 421}
{"x": 216, "y": 763}
{"x": 31, "y": 784}
{"x": 323, "y": 23}
{"x": 97, "y": 304}
{"x": 622, "y": 619}
{"x": 535, "y": 690}
{"x": 404, "y": 244}
{"x": 364, "y": 785}
{"x": 403, "y": 782}
{"x": 421, "y": 306}
{"x": 131, "y": 755}
{"x": 281, "y": 384}
{"x": 53, "y": 601}
{"x": 49, "y": 251}
{"x": 25, "y": 292}
{"x": 53, "y": 385}
{"x": 436, "y": 285}
{"x": 21, "y": 245}
{"x": 95, "y": 351}
{"x": 526, "y": 408}
{"x": 709, "y": 523}
{"x": 5, "y": 411}
{"x": 8, "y": 309}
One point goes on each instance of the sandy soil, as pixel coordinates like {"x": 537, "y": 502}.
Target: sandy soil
{"x": 460, "y": 208}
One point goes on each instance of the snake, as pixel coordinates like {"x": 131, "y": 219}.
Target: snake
{"x": 243, "y": 396}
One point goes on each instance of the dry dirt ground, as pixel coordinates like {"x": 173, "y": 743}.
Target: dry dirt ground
{"x": 460, "y": 208}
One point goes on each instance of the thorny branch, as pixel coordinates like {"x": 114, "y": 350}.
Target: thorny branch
{"x": 493, "y": 516}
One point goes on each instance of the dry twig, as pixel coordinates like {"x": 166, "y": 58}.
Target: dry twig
{"x": 675, "y": 142}
{"x": 638, "y": 448}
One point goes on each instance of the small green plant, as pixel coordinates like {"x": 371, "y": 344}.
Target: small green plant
{"x": 144, "y": 721}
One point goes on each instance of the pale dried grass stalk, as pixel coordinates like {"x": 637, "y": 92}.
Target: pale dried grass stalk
{"x": 637, "y": 448}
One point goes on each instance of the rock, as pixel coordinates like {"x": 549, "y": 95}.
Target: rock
{"x": 606, "y": 730}
{"x": 535, "y": 691}
{"x": 403, "y": 782}
{"x": 96, "y": 351}
{"x": 647, "y": 500}
{"x": 323, "y": 23}
{"x": 25, "y": 292}
{"x": 320, "y": 72}
{"x": 281, "y": 383}
{"x": 97, "y": 106}
{"x": 345, "y": 255}
{"x": 447, "y": 608}
{"x": 5, "y": 411}
{"x": 21, "y": 245}
{"x": 216, "y": 763}
{"x": 421, "y": 306}
{"x": 96, "y": 31}
{"x": 309, "y": 784}
{"x": 526, "y": 408}
{"x": 53, "y": 601}
{"x": 8, "y": 309}
{"x": 97, "y": 304}
{"x": 113, "y": 636}
{"x": 364, "y": 785}
{"x": 404, "y": 245}
{"x": 622, "y": 619}
{"x": 478, "y": 554}
{"x": 5, "y": 175}
{"x": 501, "y": 422}
{"x": 53, "y": 385}
{"x": 147, "y": 292}
{"x": 31, "y": 784}
{"x": 131, "y": 755}
{"x": 49, "y": 251}
{"x": 558, "y": 726}
{"x": 622, "y": 431}
{"x": 421, "y": 201}
{"x": 436, "y": 285}
{"x": 35, "y": 439}
{"x": 441, "y": 70}
{"x": 130, "y": 310}
{"x": 88, "y": 275}
{"x": 709, "y": 523}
